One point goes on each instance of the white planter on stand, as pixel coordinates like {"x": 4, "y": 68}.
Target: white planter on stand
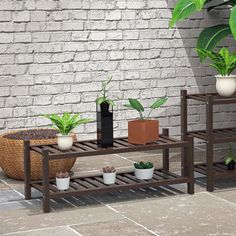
{"x": 109, "y": 178}
{"x": 65, "y": 142}
{"x": 63, "y": 183}
{"x": 144, "y": 173}
{"x": 226, "y": 85}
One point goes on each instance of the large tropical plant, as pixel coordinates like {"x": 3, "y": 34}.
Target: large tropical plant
{"x": 211, "y": 36}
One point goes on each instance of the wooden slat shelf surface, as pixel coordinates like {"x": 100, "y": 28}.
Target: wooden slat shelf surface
{"x": 89, "y": 148}
{"x": 219, "y": 135}
{"x": 94, "y": 184}
{"x": 217, "y": 99}
{"x": 220, "y": 171}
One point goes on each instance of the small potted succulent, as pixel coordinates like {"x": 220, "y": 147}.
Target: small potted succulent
{"x": 230, "y": 159}
{"x": 65, "y": 124}
{"x": 225, "y": 64}
{"x": 143, "y": 170}
{"x": 109, "y": 175}
{"x": 63, "y": 180}
{"x": 143, "y": 130}
{"x": 105, "y": 117}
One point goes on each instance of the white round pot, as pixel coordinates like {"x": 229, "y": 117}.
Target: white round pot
{"x": 144, "y": 173}
{"x": 63, "y": 183}
{"x": 226, "y": 85}
{"x": 65, "y": 142}
{"x": 109, "y": 178}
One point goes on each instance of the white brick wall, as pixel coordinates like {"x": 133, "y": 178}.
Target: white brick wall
{"x": 55, "y": 53}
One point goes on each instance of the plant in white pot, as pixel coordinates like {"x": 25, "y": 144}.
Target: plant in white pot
{"x": 144, "y": 170}
{"x": 225, "y": 64}
{"x": 63, "y": 180}
{"x": 65, "y": 124}
{"x": 109, "y": 175}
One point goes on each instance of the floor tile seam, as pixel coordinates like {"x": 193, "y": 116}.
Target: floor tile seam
{"x": 73, "y": 230}
{"x": 125, "y": 217}
{"x": 221, "y": 199}
{"x": 33, "y": 230}
{"x": 12, "y": 188}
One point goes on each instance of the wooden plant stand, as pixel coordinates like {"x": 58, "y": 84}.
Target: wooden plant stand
{"x": 124, "y": 181}
{"x": 211, "y": 136}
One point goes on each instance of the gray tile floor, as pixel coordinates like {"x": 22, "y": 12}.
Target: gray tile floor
{"x": 155, "y": 211}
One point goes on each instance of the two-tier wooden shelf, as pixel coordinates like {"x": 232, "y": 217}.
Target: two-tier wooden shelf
{"x": 211, "y": 136}
{"x": 94, "y": 184}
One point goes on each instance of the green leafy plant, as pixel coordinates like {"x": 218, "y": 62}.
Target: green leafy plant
{"x": 230, "y": 156}
{"x": 136, "y": 105}
{"x": 210, "y": 37}
{"x": 223, "y": 61}
{"x": 143, "y": 165}
{"x": 66, "y": 123}
{"x": 104, "y": 98}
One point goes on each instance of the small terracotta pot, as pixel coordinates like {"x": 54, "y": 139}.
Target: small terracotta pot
{"x": 143, "y": 131}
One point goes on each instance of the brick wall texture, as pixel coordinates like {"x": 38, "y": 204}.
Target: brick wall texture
{"x": 55, "y": 53}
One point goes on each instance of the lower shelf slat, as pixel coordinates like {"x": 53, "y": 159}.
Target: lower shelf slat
{"x": 125, "y": 181}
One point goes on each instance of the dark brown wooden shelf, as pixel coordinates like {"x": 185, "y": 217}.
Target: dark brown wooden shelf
{"x": 124, "y": 181}
{"x": 220, "y": 171}
{"x": 90, "y": 148}
{"x": 217, "y": 99}
{"x": 218, "y": 136}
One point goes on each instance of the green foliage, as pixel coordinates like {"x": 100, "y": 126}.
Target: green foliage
{"x": 136, "y": 105}
{"x": 230, "y": 157}
{"x": 104, "y": 90}
{"x": 66, "y": 123}
{"x": 211, "y": 36}
{"x": 143, "y": 165}
{"x": 223, "y": 61}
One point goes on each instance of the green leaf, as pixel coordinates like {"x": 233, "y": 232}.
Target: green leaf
{"x": 232, "y": 21}
{"x": 210, "y": 37}
{"x": 199, "y": 4}
{"x": 136, "y": 104}
{"x": 158, "y": 103}
{"x": 100, "y": 100}
{"x": 182, "y": 10}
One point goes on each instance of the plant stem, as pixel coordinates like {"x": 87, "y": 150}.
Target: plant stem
{"x": 141, "y": 115}
{"x": 149, "y": 113}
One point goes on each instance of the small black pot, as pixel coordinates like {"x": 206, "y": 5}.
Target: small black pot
{"x": 231, "y": 165}
{"x": 104, "y": 125}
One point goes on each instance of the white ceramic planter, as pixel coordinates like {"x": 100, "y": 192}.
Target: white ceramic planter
{"x": 144, "y": 173}
{"x": 65, "y": 142}
{"x": 63, "y": 183}
{"x": 109, "y": 178}
{"x": 226, "y": 85}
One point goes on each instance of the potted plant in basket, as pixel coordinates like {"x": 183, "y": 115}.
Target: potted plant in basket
{"x": 63, "y": 180}
{"x": 65, "y": 124}
{"x": 144, "y": 170}
{"x": 225, "y": 64}
{"x": 109, "y": 175}
{"x": 144, "y": 130}
{"x": 230, "y": 159}
{"x": 105, "y": 117}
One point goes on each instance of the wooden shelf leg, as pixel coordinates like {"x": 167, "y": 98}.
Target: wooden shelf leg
{"x": 27, "y": 169}
{"x": 189, "y": 166}
{"x": 165, "y": 153}
{"x": 45, "y": 175}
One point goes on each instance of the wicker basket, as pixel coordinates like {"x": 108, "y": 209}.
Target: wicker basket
{"x": 12, "y": 160}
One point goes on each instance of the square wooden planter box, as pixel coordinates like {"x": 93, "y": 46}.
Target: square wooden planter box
{"x": 143, "y": 131}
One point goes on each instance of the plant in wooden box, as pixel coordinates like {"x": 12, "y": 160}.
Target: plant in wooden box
{"x": 65, "y": 124}
{"x": 63, "y": 180}
{"x": 144, "y": 170}
{"x": 144, "y": 130}
{"x": 230, "y": 159}
{"x": 105, "y": 117}
{"x": 225, "y": 64}
{"x": 109, "y": 175}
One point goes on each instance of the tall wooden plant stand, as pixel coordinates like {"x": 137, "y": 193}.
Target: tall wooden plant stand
{"x": 212, "y": 170}
{"x": 124, "y": 181}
